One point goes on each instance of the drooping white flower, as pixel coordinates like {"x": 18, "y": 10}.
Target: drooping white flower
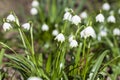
{"x": 83, "y": 15}
{"x": 111, "y": 19}
{"x": 67, "y": 16}
{"x": 45, "y": 27}
{"x": 60, "y": 37}
{"x": 103, "y": 33}
{"x": 76, "y": 19}
{"x": 10, "y": 18}
{"x": 6, "y": 26}
{"x": 70, "y": 38}
{"x": 87, "y": 32}
{"x": 35, "y": 3}
{"x": 55, "y": 32}
{"x": 33, "y": 11}
{"x": 106, "y": 6}
{"x": 73, "y": 43}
{"x": 34, "y": 78}
{"x": 26, "y": 26}
{"x": 100, "y": 18}
{"x": 116, "y": 31}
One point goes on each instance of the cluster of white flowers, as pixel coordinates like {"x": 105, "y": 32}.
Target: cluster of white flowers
{"x": 34, "y": 5}
{"x": 73, "y": 42}
{"x": 106, "y": 6}
{"x": 12, "y": 18}
{"x": 87, "y": 32}
{"x": 74, "y": 19}
{"x": 116, "y": 31}
{"x": 45, "y": 27}
{"x": 34, "y": 78}
{"x": 7, "y": 25}
{"x": 100, "y": 18}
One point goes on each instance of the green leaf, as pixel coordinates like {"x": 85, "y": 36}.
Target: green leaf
{"x": 48, "y": 65}
{"x": 1, "y": 55}
{"x": 97, "y": 65}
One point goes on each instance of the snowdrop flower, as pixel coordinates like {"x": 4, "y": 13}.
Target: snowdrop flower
{"x": 55, "y": 32}
{"x": 71, "y": 38}
{"x": 34, "y": 78}
{"x": 111, "y": 19}
{"x": 73, "y": 43}
{"x": 83, "y": 15}
{"x": 33, "y": 11}
{"x": 45, "y": 27}
{"x": 67, "y": 16}
{"x": 10, "y": 18}
{"x": 87, "y": 32}
{"x": 103, "y": 33}
{"x": 35, "y": 3}
{"x": 100, "y": 18}
{"x": 60, "y": 37}
{"x": 76, "y": 19}
{"x": 106, "y": 7}
{"x": 116, "y": 31}
{"x": 26, "y": 26}
{"x": 6, "y": 26}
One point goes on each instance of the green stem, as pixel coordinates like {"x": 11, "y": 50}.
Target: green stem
{"x": 84, "y": 48}
{"x": 23, "y": 41}
{"x": 32, "y": 43}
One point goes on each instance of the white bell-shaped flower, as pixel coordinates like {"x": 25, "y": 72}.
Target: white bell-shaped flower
{"x": 26, "y": 26}
{"x": 60, "y": 37}
{"x": 45, "y": 27}
{"x": 73, "y": 43}
{"x": 35, "y": 3}
{"x": 87, "y": 32}
{"x": 6, "y": 26}
{"x": 71, "y": 37}
{"x": 111, "y": 19}
{"x": 116, "y": 31}
{"x": 10, "y": 18}
{"x": 100, "y": 18}
{"x": 55, "y": 32}
{"x": 106, "y": 7}
{"x": 67, "y": 16}
{"x": 83, "y": 15}
{"x": 34, "y": 78}
{"x": 76, "y": 19}
{"x": 103, "y": 33}
{"x": 33, "y": 11}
